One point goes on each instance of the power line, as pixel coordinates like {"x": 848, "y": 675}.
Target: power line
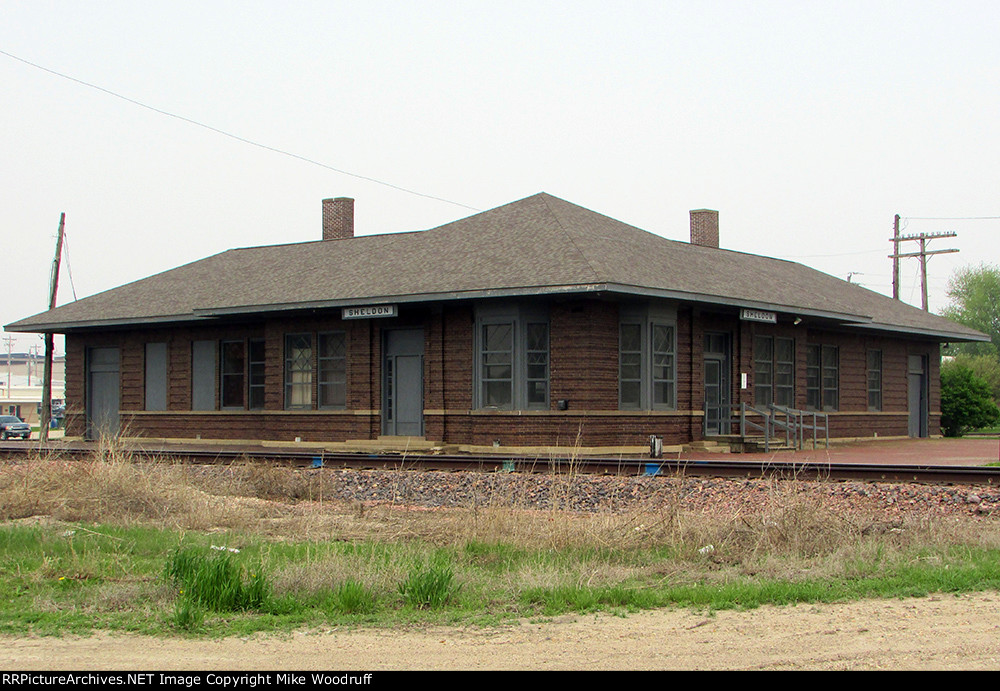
{"x": 841, "y": 254}
{"x": 69, "y": 266}
{"x": 234, "y": 136}
{"x": 953, "y": 218}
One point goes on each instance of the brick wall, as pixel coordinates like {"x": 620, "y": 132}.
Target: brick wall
{"x": 265, "y": 425}
{"x": 75, "y": 421}
{"x": 566, "y": 428}
{"x": 583, "y": 360}
{"x": 583, "y": 347}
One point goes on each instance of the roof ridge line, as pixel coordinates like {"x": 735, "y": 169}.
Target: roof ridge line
{"x": 545, "y": 199}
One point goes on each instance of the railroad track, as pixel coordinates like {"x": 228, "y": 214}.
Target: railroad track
{"x": 772, "y": 468}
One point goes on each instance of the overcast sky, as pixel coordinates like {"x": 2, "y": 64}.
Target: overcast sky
{"x": 808, "y": 125}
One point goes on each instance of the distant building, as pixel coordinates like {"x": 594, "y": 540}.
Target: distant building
{"x": 21, "y": 378}
{"x": 536, "y": 323}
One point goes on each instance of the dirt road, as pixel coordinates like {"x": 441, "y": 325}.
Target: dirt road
{"x": 939, "y": 632}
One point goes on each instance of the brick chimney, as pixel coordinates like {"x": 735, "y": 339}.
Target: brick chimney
{"x": 338, "y": 218}
{"x": 705, "y": 227}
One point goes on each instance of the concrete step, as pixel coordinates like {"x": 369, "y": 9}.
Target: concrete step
{"x": 391, "y": 443}
{"x": 748, "y": 444}
{"x": 708, "y": 446}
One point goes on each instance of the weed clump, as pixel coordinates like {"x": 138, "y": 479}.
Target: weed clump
{"x": 352, "y": 597}
{"x": 188, "y": 616}
{"x": 429, "y": 587}
{"x": 216, "y": 582}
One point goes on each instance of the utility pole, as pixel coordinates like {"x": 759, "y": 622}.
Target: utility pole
{"x": 9, "y": 341}
{"x": 895, "y": 258}
{"x": 43, "y": 430}
{"x": 923, "y": 239}
{"x": 33, "y": 361}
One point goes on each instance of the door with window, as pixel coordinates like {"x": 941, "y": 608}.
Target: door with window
{"x": 403, "y": 383}
{"x": 716, "y": 383}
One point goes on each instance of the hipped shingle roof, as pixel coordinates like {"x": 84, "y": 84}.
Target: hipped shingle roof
{"x": 538, "y": 245}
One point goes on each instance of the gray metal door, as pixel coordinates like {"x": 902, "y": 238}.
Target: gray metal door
{"x": 408, "y": 416}
{"x": 917, "y": 395}
{"x": 716, "y": 383}
{"x": 103, "y": 392}
{"x": 403, "y": 383}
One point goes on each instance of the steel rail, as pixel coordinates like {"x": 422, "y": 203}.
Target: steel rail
{"x": 778, "y": 469}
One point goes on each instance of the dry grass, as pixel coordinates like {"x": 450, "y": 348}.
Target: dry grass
{"x": 513, "y": 539}
{"x": 108, "y": 489}
{"x": 326, "y": 572}
{"x": 787, "y": 533}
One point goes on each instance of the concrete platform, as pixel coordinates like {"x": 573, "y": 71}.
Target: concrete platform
{"x": 969, "y": 451}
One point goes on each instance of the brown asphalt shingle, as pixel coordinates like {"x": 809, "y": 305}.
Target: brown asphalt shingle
{"x": 535, "y": 245}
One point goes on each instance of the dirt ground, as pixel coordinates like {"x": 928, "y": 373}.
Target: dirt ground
{"x": 939, "y": 632}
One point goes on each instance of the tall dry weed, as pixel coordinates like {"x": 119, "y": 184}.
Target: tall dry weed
{"x": 262, "y": 480}
{"x": 111, "y": 486}
{"x": 776, "y": 526}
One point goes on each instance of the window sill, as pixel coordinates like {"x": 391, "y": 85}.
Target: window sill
{"x": 568, "y": 413}
{"x": 258, "y": 411}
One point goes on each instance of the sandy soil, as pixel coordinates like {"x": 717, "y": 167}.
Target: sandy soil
{"x": 940, "y": 632}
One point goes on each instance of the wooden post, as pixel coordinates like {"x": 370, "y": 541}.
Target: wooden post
{"x": 43, "y": 431}
{"x": 895, "y": 258}
{"x": 923, "y": 273}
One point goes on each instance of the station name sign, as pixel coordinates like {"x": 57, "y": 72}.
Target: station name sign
{"x": 369, "y": 312}
{"x": 759, "y": 316}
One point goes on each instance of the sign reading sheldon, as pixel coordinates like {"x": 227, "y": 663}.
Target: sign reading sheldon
{"x": 369, "y": 312}
{"x": 759, "y": 316}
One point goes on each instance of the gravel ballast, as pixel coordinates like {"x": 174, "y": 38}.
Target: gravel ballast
{"x": 596, "y": 493}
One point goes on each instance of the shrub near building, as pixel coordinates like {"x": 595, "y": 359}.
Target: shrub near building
{"x": 966, "y": 401}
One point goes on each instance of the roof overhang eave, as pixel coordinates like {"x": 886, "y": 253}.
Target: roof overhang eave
{"x": 66, "y": 326}
{"x": 584, "y": 288}
{"x": 402, "y": 299}
{"x": 937, "y": 334}
{"x": 726, "y": 301}
{"x": 209, "y": 313}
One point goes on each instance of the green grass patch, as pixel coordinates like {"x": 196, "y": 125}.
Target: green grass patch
{"x": 353, "y": 597}
{"x": 429, "y": 586}
{"x": 161, "y": 549}
{"x": 217, "y": 581}
{"x": 60, "y": 579}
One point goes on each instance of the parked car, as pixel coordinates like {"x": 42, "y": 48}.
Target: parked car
{"x": 12, "y": 426}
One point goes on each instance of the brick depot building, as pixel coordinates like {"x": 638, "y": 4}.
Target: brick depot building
{"x": 536, "y": 323}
